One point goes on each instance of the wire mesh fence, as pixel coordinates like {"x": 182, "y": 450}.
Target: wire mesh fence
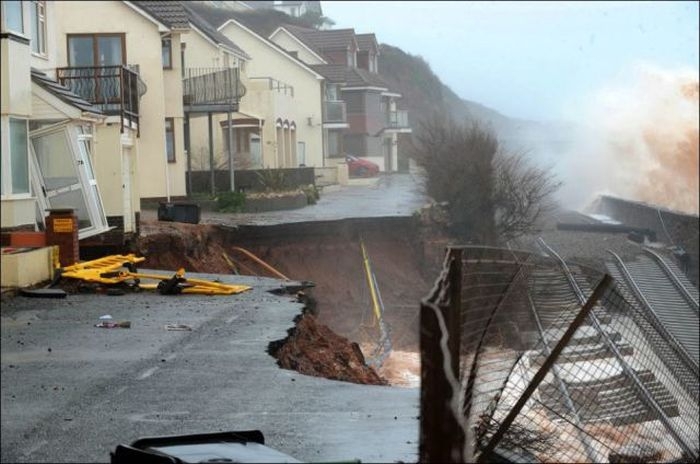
{"x": 557, "y": 365}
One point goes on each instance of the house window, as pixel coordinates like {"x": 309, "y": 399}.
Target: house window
{"x": 334, "y": 149}
{"x": 332, "y": 92}
{"x": 38, "y": 18}
{"x": 96, "y": 50}
{"x": 352, "y": 59}
{"x": 167, "y": 53}
{"x": 170, "y": 139}
{"x": 13, "y": 19}
{"x": 19, "y": 158}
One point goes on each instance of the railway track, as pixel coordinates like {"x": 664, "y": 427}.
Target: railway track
{"x": 621, "y": 389}
{"x": 655, "y": 285}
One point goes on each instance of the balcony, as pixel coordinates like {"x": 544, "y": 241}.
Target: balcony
{"x": 397, "y": 119}
{"x": 212, "y": 89}
{"x": 114, "y": 89}
{"x": 334, "y": 113}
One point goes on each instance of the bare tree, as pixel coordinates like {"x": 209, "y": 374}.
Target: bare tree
{"x": 522, "y": 194}
{"x": 491, "y": 195}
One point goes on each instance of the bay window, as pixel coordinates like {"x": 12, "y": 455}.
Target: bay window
{"x": 12, "y": 16}
{"x": 17, "y": 164}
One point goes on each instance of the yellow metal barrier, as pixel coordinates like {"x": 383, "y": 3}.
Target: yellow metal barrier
{"x": 106, "y": 271}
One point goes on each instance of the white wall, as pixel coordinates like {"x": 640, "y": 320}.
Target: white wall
{"x": 163, "y": 97}
{"x": 268, "y": 61}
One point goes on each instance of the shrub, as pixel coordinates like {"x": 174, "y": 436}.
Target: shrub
{"x": 312, "y": 193}
{"x": 230, "y": 202}
{"x": 273, "y": 180}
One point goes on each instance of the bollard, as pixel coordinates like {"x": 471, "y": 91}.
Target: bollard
{"x": 62, "y": 230}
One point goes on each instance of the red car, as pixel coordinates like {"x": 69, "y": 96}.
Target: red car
{"x": 360, "y": 167}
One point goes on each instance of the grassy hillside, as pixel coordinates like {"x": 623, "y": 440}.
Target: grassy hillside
{"x": 424, "y": 93}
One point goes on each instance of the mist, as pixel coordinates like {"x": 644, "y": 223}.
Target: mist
{"x": 638, "y": 141}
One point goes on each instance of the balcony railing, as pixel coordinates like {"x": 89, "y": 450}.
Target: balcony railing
{"x": 113, "y": 89}
{"x": 212, "y": 86}
{"x": 334, "y": 111}
{"x": 397, "y": 119}
{"x": 274, "y": 84}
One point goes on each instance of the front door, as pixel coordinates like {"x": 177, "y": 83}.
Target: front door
{"x": 62, "y": 176}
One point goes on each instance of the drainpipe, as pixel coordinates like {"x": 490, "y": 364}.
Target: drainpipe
{"x": 189, "y": 155}
{"x": 262, "y": 143}
{"x": 167, "y": 169}
{"x": 211, "y": 156}
{"x": 230, "y": 153}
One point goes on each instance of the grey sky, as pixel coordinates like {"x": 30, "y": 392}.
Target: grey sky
{"x": 535, "y": 60}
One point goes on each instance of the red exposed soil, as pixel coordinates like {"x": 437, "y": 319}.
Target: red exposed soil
{"x": 172, "y": 245}
{"x": 314, "y": 349}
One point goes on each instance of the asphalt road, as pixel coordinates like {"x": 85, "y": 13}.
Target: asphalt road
{"x": 71, "y": 392}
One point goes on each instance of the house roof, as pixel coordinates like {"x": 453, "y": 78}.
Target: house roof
{"x": 366, "y": 41}
{"x": 170, "y": 13}
{"x": 218, "y": 18}
{"x": 63, "y": 93}
{"x": 210, "y": 31}
{"x": 351, "y": 77}
{"x": 331, "y": 39}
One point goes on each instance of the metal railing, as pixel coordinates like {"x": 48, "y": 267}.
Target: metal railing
{"x": 397, "y": 119}
{"x": 113, "y": 89}
{"x": 276, "y": 85}
{"x": 334, "y": 111}
{"x": 211, "y": 86}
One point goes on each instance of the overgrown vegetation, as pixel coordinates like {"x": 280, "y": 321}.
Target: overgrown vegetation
{"x": 492, "y": 195}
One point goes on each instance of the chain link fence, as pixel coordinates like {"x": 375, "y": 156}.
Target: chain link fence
{"x": 556, "y": 365}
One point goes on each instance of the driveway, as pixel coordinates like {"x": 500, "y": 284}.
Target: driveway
{"x": 383, "y": 196}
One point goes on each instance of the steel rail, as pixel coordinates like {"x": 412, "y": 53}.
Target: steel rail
{"x": 645, "y": 395}
{"x": 675, "y": 279}
{"x": 676, "y": 345}
{"x": 592, "y": 453}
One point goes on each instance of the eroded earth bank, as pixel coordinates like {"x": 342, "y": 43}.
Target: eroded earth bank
{"x": 338, "y": 331}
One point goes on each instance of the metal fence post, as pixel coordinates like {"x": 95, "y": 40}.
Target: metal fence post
{"x": 442, "y": 437}
{"x": 454, "y": 318}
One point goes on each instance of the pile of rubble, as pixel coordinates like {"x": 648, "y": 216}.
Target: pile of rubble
{"x": 314, "y": 349}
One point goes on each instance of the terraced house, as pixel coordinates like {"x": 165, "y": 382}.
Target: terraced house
{"x": 51, "y": 135}
{"x": 361, "y": 115}
{"x": 120, "y": 60}
{"x": 279, "y": 121}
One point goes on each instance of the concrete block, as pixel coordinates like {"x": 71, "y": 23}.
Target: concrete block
{"x": 24, "y": 268}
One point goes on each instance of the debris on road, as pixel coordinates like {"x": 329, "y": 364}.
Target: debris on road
{"x": 43, "y": 293}
{"x": 114, "y": 325}
{"x": 177, "y": 327}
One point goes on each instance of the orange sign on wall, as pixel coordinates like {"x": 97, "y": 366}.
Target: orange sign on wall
{"x": 62, "y": 225}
